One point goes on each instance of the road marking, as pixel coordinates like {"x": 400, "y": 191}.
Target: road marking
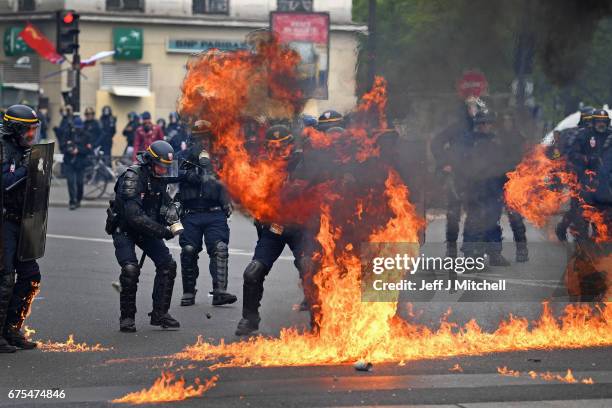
{"x": 232, "y": 251}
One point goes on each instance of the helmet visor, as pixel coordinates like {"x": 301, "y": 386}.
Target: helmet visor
{"x": 162, "y": 170}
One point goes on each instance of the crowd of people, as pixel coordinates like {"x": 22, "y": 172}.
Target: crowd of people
{"x": 78, "y": 139}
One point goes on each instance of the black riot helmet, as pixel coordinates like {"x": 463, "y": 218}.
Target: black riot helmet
{"x": 279, "y": 141}
{"x": 160, "y": 157}
{"x": 586, "y": 116}
{"x": 21, "y": 122}
{"x": 600, "y": 120}
{"x": 328, "y": 119}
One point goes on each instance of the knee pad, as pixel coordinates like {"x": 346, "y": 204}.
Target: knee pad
{"x": 221, "y": 250}
{"x": 255, "y": 272}
{"x": 169, "y": 269}
{"x": 129, "y": 274}
{"x": 189, "y": 250}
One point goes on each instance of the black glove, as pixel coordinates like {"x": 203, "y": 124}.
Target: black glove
{"x": 228, "y": 209}
{"x": 168, "y": 235}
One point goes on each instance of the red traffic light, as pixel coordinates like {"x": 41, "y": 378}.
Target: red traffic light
{"x": 68, "y": 18}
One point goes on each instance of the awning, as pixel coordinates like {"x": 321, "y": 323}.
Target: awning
{"x": 133, "y": 91}
{"x": 22, "y": 85}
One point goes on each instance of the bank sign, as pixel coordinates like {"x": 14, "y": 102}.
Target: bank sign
{"x": 188, "y": 46}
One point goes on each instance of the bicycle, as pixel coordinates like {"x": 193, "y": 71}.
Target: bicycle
{"x": 97, "y": 176}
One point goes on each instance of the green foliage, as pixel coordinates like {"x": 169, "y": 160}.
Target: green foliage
{"x": 423, "y": 46}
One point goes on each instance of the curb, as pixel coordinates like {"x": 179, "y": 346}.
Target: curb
{"x": 84, "y": 204}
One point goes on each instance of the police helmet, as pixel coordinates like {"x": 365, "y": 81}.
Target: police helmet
{"x": 21, "y": 122}
{"x": 160, "y": 156}
{"x": 278, "y": 140}
{"x": 201, "y": 128}
{"x": 600, "y": 116}
{"x": 328, "y": 119}
{"x": 309, "y": 121}
{"x": 107, "y": 111}
{"x": 586, "y": 115}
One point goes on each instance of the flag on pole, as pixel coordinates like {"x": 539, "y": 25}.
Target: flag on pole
{"x": 41, "y": 44}
{"x": 97, "y": 56}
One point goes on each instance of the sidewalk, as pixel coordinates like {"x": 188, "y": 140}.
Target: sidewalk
{"x": 59, "y": 196}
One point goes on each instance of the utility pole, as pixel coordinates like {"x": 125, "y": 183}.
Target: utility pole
{"x": 371, "y": 42}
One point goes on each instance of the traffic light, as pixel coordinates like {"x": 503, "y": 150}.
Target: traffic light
{"x": 67, "y": 31}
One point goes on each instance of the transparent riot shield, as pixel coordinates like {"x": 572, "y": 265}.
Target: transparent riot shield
{"x": 33, "y": 234}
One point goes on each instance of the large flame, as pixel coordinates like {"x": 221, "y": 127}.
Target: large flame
{"x": 360, "y": 201}
{"x": 167, "y": 389}
{"x": 538, "y": 187}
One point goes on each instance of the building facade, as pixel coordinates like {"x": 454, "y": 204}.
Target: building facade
{"x": 153, "y": 40}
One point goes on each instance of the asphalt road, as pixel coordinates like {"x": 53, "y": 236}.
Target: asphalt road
{"x": 77, "y": 298}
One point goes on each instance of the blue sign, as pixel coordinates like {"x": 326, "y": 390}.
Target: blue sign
{"x": 194, "y": 46}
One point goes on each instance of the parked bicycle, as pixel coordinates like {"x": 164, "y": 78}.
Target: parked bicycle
{"x": 97, "y": 176}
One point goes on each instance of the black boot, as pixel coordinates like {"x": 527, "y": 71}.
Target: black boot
{"x": 127, "y": 297}
{"x": 252, "y": 292}
{"x": 219, "y": 264}
{"x": 7, "y": 281}
{"x": 24, "y": 292}
{"x": 189, "y": 274}
{"x": 17, "y": 339}
{"x": 164, "y": 320}
{"x": 522, "y": 252}
{"x": 162, "y": 297}
{"x": 247, "y": 327}
{"x": 127, "y": 325}
{"x": 188, "y": 298}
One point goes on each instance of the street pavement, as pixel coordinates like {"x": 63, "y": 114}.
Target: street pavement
{"x": 77, "y": 298}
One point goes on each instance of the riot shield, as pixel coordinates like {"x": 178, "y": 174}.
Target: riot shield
{"x": 2, "y": 208}
{"x": 33, "y": 234}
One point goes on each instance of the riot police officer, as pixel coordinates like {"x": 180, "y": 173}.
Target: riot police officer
{"x": 206, "y": 207}
{"x": 108, "y": 127}
{"x": 483, "y": 182}
{"x": 587, "y": 156}
{"x": 444, "y": 150}
{"x": 136, "y": 218}
{"x": 18, "y": 131}
{"x": 562, "y": 147}
{"x": 272, "y": 240}
{"x": 77, "y": 150}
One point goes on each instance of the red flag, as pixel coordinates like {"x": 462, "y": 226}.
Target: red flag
{"x": 41, "y": 44}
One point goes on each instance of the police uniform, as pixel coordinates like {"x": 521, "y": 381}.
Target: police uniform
{"x": 273, "y": 237}
{"x": 206, "y": 207}
{"x": 77, "y": 149}
{"x": 16, "y": 295}
{"x": 483, "y": 184}
{"x": 136, "y": 219}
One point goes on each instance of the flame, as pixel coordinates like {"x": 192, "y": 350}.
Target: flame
{"x": 546, "y": 376}
{"x": 226, "y": 88}
{"x": 456, "y": 368}
{"x": 505, "y": 371}
{"x": 28, "y": 333}
{"x": 166, "y": 389}
{"x": 529, "y": 189}
{"x": 70, "y": 346}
